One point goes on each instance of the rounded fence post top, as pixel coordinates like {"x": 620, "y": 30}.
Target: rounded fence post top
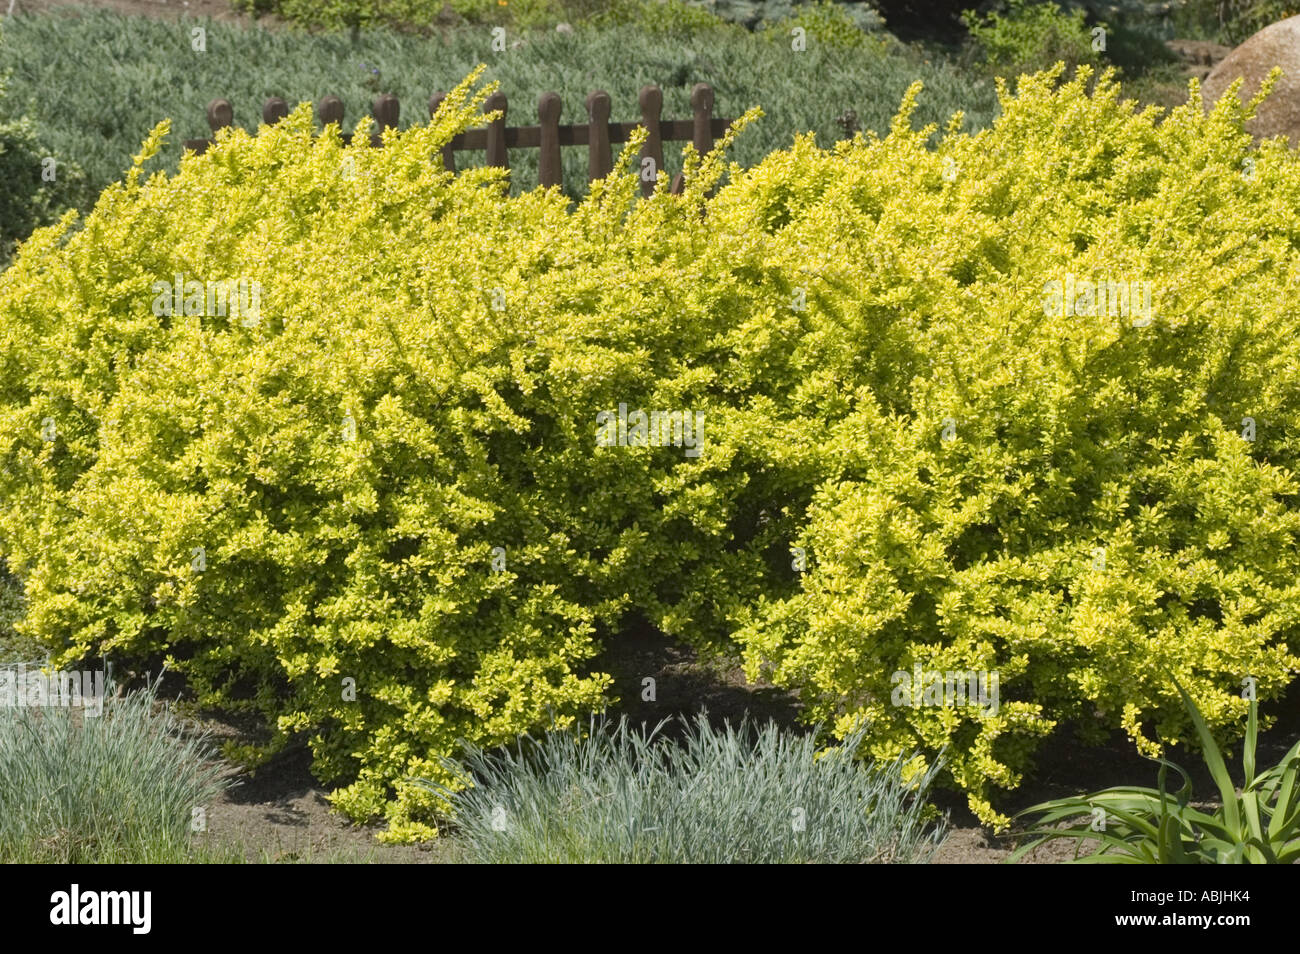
{"x": 494, "y": 102}
{"x": 702, "y": 96}
{"x": 220, "y": 114}
{"x": 598, "y": 103}
{"x": 386, "y": 109}
{"x": 651, "y": 97}
{"x": 274, "y": 110}
{"x": 549, "y": 107}
{"x": 435, "y": 101}
{"x": 330, "y": 110}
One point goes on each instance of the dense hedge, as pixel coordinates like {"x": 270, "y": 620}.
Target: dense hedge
{"x": 1115, "y": 500}
{"x": 371, "y": 558}
{"x": 978, "y": 484}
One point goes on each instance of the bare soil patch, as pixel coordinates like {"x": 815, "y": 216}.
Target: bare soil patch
{"x": 279, "y": 813}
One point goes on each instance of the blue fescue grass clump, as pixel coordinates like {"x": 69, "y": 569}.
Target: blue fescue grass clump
{"x": 620, "y": 794}
{"x": 116, "y": 788}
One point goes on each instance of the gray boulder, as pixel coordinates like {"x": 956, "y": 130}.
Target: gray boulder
{"x": 1276, "y": 45}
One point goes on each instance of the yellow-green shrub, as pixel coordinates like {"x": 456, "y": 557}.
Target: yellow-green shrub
{"x": 827, "y": 313}
{"x": 1097, "y": 520}
{"x": 371, "y": 559}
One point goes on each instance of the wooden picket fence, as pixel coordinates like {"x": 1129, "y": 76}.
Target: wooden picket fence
{"x": 548, "y": 135}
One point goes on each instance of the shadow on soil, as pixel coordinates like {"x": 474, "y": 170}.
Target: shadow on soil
{"x": 282, "y": 813}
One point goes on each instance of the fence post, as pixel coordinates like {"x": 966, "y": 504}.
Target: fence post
{"x": 702, "y": 138}
{"x": 702, "y": 105}
{"x": 600, "y": 131}
{"x": 386, "y": 109}
{"x": 448, "y": 153}
{"x": 598, "y": 156}
{"x": 652, "y": 104}
{"x": 330, "y": 110}
{"x": 548, "y": 163}
{"x": 220, "y": 115}
{"x": 274, "y": 110}
{"x": 496, "y": 131}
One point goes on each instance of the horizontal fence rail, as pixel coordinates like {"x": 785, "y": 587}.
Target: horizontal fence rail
{"x": 548, "y": 136}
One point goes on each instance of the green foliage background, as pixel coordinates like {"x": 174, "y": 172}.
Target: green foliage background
{"x": 1030, "y": 36}
{"x": 422, "y": 14}
{"x": 28, "y": 199}
{"x": 96, "y": 84}
{"x": 1230, "y": 21}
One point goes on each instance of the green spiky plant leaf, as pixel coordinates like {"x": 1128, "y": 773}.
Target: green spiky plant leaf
{"x": 1258, "y": 824}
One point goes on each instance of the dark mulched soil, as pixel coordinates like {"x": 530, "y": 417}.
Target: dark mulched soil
{"x": 280, "y": 813}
